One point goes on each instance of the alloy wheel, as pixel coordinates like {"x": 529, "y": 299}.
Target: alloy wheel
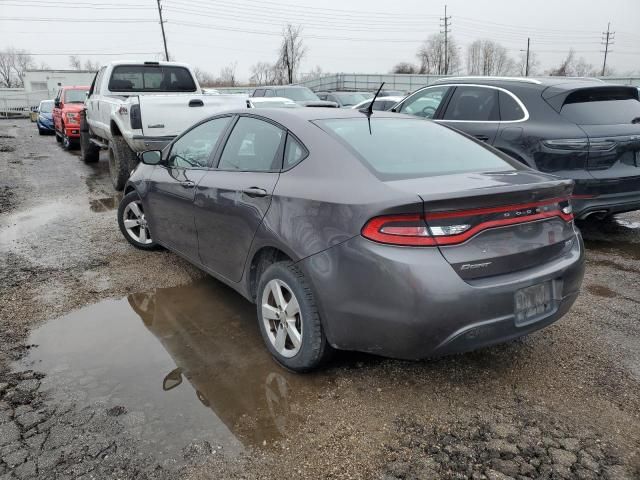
{"x": 135, "y": 223}
{"x": 282, "y": 318}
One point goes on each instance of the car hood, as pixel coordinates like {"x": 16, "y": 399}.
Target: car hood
{"x": 46, "y": 115}
{"x": 318, "y": 103}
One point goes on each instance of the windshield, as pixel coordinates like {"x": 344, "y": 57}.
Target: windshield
{"x": 300, "y": 94}
{"x": 46, "y": 107}
{"x": 348, "y": 99}
{"x": 399, "y": 148}
{"x": 151, "y": 78}
{"x": 75, "y": 96}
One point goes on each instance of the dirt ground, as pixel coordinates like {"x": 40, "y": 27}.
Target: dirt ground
{"x": 89, "y": 326}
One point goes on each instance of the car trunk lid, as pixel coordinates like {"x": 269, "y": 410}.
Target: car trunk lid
{"x": 495, "y": 223}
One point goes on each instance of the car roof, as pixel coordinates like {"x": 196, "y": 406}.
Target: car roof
{"x": 285, "y": 115}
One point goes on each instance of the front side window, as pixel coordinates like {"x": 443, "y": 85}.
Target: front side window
{"x": 254, "y": 145}
{"x": 259, "y": 92}
{"x": 475, "y": 104}
{"x": 152, "y": 78}
{"x": 195, "y": 147}
{"x": 425, "y": 103}
{"x": 269, "y": 93}
{"x": 75, "y": 96}
{"x": 400, "y": 148}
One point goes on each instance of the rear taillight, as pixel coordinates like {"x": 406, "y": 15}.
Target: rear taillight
{"x": 453, "y": 227}
{"x": 134, "y": 116}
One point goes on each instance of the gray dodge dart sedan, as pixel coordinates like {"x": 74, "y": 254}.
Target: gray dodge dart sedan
{"x": 380, "y": 233}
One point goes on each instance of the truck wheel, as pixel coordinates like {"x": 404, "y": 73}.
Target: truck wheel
{"x": 121, "y": 161}
{"x": 66, "y": 141}
{"x": 89, "y": 152}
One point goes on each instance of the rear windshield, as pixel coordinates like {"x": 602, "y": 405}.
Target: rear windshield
{"x": 602, "y": 106}
{"x": 399, "y": 148}
{"x": 349, "y": 99}
{"x": 151, "y": 78}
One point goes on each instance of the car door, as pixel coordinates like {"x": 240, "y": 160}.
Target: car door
{"x": 173, "y": 185}
{"x": 473, "y": 109}
{"x": 93, "y": 104}
{"x": 232, "y": 199}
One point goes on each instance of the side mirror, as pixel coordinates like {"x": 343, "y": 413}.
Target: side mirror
{"x": 151, "y": 157}
{"x": 172, "y": 380}
{"x": 57, "y": 103}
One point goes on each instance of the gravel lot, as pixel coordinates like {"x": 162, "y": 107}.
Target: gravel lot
{"x": 94, "y": 332}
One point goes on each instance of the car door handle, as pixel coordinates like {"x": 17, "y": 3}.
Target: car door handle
{"x": 188, "y": 184}
{"x": 196, "y": 103}
{"x": 255, "y": 192}
{"x": 484, "y": 138}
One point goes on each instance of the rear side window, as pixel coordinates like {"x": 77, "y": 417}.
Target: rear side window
{"x": 476, "y": 104}
{"x": 151, "y": 78}
{"x": 602, "y": 106}
{"x": 410, "y": 148}
{"x": 510, "y": 110}
{"x": 294, "y": 153}
{"x": 269, "y": 93}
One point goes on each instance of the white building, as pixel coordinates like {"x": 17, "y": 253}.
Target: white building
{"x": 50, "y": 81}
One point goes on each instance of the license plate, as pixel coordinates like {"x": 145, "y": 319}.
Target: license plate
{"x": 533, "y": 302}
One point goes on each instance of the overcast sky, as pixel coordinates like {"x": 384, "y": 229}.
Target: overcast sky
{"x": 363, "y": 36}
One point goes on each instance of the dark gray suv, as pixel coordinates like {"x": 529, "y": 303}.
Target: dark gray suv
{"x": 576, "y": 128}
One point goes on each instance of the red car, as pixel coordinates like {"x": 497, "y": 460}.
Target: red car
{"x": 66, "y": 115}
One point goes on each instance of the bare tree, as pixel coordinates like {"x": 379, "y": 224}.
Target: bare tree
{"x": 486, "y": 57}
{"x": 404, "y": 67}
{"x": 262, "y": 73}
{"x": 315, "y": 72}
{"x": 205, "y": 79}
{"x": 432, "y": 59}
{"x": 534, "y": 64}
{"x": 228, "y": 75}
{"x": 566, "y": 66}
{"x": 74, "y": 62}
{"x": 91, "y": 66}
{"x": 292, "y": 51}
{"x": 13, "y": 65}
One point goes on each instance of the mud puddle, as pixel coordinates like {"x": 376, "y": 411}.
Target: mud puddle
{"x": 105, "y": 204}
{"x": 186, "y": 364}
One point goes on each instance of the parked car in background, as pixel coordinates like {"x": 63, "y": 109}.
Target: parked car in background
{"x": 580, "y": 129}
{"x": 135, "y": 106}
{"x": 380, "y": 104}
{"x": 301, "y": 95}
{"x": 68, "y": 104}
{"x": 44, "y": 118}
{"x": 391, "y": 93}
{"x": 385, "y": 233}
{"x": 271, "y": 102}
{"x": 343, "y": 99}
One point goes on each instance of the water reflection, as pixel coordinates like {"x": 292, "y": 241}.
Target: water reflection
{"x": 195, "y": 367}
{"x": 212, "y": 335}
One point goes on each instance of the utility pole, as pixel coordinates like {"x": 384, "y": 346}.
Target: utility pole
{"x": 607, "y": 39}
{"x": 164, "y": 37}
{"x": 446, "y": 24}
{"x": 526, "y": 65}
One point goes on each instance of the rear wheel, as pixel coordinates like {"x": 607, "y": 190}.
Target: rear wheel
{"x": 89, "y": 152}
{"x": 121, "y": 161}
{"x": 133, "y": 222}
{"x": 289, "y": 319}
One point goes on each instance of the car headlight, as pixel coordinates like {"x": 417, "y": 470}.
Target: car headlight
{"x": 73, "y": 117}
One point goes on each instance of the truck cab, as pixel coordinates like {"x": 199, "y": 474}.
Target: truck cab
{"x": 68, "y": 104}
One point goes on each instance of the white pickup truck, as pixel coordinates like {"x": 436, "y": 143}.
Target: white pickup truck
{"x": 137, "y": 106}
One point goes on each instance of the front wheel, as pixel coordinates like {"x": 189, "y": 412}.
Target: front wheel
{"x": 133, "y": 222}
{"x": 289, "y": 319}
{"x": 89, "y": 152}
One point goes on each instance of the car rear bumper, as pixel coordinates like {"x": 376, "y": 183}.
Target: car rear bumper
{"x": 409, "y": 303}
{"x": 606, "y": 197}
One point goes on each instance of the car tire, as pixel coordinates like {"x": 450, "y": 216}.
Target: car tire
{"x": 312, "y": 347}
{"x": 121, "y": 161}
{"x": 40, "y": 131}
{"x": 131, "y": 209}
{"x": 66, "y": 141}
{"x": 89, "y": 152}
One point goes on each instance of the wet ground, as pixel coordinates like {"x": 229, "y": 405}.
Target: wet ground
{"x": 116, "y": 363}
